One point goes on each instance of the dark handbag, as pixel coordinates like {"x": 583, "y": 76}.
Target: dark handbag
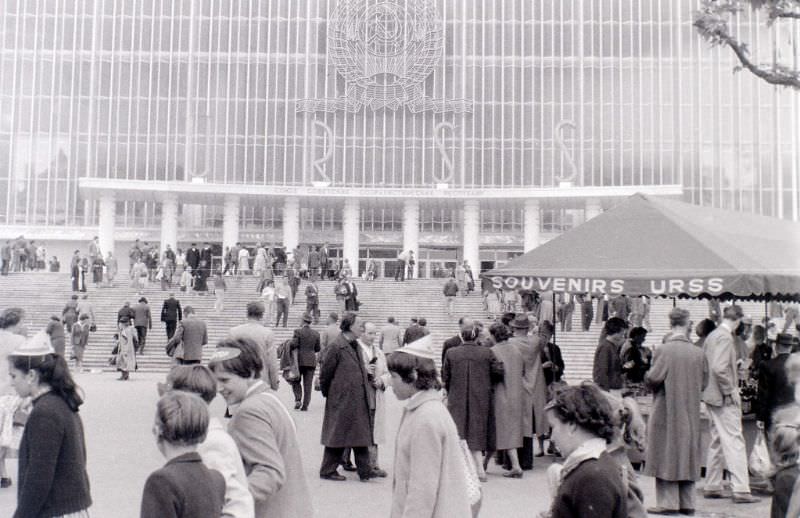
{"x": 92, "y": 328}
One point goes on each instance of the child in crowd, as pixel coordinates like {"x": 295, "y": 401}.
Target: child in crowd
{"x": 218, "y": 450}
{"x": 184, "y": 487}
{"x": 785, "y": 445}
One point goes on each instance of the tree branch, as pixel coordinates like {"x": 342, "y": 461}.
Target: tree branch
{"x": 712, "y": 25}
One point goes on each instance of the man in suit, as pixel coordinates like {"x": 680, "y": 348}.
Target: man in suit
{"x": 171, "y": 314}
{"x": 724, "y": 405}
{"x": 126, "y": 311}
{"x": 607, "y": 367}
{"x": 193, "y": 257}
{"x": 587, "y": 311}
{"x": 774, "y": 387}
{"x": 94, "y": 249}
{"x": 312, "y": 300}
{"x": 565, "y": 310}
{"x": 464, "y": 324}
{"x": 255, "y": 330}
{"x": 413, "y": 332}
{"x": 193, "y": 335}
{"x": 330, "y": 333}
{"x": 142, "y": 321}
{"x": 324, "y": 256}
{"x": 307, "y": 343}
{"x": 390, "y": 337}
{"x": 313, "y": 264}
{"x": 282, "y": 295}
{"x": 349, "y": 402}
{"x": 204, "y": 269}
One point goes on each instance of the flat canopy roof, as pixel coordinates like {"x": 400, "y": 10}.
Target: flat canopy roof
{"x": 215, "y": 193}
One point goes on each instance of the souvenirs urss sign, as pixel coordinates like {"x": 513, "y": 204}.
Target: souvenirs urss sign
{"x": 384, "y": 50}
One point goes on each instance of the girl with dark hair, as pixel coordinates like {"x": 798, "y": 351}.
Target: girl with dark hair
{"x": 52, "y": 456}
{"x": 263, "y": 431}
{"x": 428, "y": 457}
{"x": 590, "y": 482}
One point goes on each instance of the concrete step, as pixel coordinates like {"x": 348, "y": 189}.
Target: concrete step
{"x": 43, "y": 294}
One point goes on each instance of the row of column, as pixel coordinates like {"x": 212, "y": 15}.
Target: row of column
{"x": 350, "y": 225}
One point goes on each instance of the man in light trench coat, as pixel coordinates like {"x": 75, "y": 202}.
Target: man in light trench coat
{"x": 677, "y": 378}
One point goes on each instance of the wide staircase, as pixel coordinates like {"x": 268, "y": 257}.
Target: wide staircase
{"x": 45, "y": 294}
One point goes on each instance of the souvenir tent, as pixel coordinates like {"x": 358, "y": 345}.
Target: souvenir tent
{"x": 662, "y": 247}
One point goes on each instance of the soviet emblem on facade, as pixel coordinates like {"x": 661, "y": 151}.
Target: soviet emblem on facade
{"x": 384, "y": 50}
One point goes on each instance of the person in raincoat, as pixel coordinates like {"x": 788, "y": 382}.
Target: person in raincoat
{"x": 126, "y": 348}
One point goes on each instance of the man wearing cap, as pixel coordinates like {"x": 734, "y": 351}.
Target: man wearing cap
{"x": 255, "y": 330}
{"x": 306, "y": 342}
{"x": 774, "y": 387}
{"x": 349, "y": 403}
{"x": 721, "y": 396}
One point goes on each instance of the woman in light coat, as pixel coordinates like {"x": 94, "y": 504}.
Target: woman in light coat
{"x": 508, "y": 399}
{"x": 429, "y": 468}
{"x": 126, "y": 349}
{"x": 260, "y": 263}
{"x": 244, "y": 261}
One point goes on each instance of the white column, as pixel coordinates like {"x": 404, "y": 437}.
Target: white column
{"x": 411, "y": 231}
{"x": 532, "y": 234}
{"x": 106, "y": 219}
{"x": 472, "y": 237}
{"x": 593, "y": 208}
{"x": 291, "y": 223}
{"x": 351, "y": 223}
{"x": 169, "y": 222}
{"x": 230, "y": 221}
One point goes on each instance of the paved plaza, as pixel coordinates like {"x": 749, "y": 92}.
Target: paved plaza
{"x": 118, "y": 419}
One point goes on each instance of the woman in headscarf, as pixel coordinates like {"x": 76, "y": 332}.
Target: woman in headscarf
{"x": 126, "y": 348}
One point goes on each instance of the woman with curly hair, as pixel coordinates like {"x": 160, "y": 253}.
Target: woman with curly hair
{"x": 590, "y": 483}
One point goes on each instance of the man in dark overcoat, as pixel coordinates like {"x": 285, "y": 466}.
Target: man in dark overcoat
{"x": 774, "y": 387}
{"x": 193, "y": 257}
{"x": 587, "y": 311}
{"x": 349, "y": 404}
{"x": 171, "y": 314}
{"x": 677, "y": 380}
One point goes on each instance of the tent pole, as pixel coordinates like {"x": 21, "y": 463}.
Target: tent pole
{"x": 555, "y": 317}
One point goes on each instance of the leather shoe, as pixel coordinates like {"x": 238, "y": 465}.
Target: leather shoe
{"x": 349, "y": 467}
{"x": 715, "y": 494}
{"x": 513, "y": 474}
{"x": 333, "y": 476}
{"x": 745, "y": 498}
{"x": 297, "y": 405}
{"x": 687, "y": 512}
{"x": 662, "y": 511}
{"x": 378, "y": 473}
{"x": 5, "y": 482}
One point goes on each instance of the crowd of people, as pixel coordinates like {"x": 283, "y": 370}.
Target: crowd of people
{"x": 23, "y": 255}
{"x": 497, "y": 401}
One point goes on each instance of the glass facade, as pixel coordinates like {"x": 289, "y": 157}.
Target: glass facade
{"x": 598, "y": 92}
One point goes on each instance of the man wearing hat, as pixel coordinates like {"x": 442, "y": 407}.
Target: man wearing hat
{"x": 306, "y": 342}
{"x": 534, "y": 383}
{"x": 774, "y": 387}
